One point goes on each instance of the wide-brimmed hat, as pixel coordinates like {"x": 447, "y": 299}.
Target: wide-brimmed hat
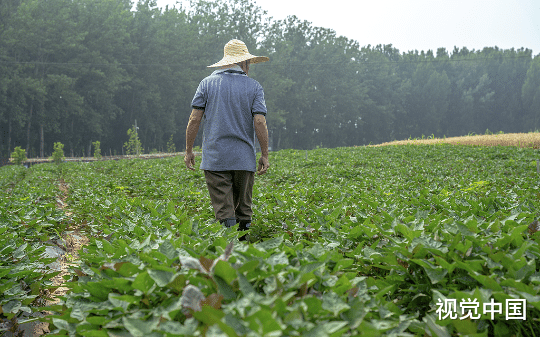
{"x": 236, "y": 51}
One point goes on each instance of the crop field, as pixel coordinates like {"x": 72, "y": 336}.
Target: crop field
{"x": 363, "y": 241}
{"x": 528, "y": 140}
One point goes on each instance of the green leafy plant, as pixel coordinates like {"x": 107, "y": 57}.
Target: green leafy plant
{"x": 97, "y": 149}
{"x": 19, "y": 155}
{"x": 354, "y": 241}
{"x": 58, "y": 153}
{"x": 171, "y": 147}
{"x": 133, "y": 145}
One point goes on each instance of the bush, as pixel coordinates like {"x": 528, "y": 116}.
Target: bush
{"x": 97, "y": 149}
{"x": 133, "y": 145}
{"x": 171, "y": 148}
{"x": 19, "y": 156}
{"x": 58, "y": 154}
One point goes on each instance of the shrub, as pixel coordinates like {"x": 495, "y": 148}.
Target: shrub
{"x": 19, "y": 155}
{"x": 97, "y": 149}
{"x": 133, "y": 145}
{"x": 171, "y": 148}
{"x": 58, "y": 154}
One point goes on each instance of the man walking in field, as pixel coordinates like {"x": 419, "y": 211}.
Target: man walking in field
{"x": 234, "y": 110}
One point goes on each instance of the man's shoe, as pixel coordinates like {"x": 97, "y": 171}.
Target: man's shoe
{"x": 244, "y": 225}
{"x": 228, "y": 222}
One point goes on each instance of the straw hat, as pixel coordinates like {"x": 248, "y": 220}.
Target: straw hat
{"x": 236, "y": 51}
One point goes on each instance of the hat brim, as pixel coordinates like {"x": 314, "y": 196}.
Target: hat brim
{"x": 228, "y": 60}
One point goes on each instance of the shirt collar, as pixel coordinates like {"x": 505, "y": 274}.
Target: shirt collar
{"x": 235, "y": 68}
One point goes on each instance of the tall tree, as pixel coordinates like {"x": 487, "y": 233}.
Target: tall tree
{"x": 531, "y": 96}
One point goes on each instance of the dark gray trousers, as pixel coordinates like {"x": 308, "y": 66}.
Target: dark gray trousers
{"x": 230, "y": 193}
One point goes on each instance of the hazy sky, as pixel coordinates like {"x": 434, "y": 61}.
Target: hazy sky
{"x": 420, "y": 24}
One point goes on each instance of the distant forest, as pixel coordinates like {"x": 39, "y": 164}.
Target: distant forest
{"x": 79, "y": 71}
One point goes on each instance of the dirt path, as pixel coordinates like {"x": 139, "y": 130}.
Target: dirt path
{"x": 32, "y": 161}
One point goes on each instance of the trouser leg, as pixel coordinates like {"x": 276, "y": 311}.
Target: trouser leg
{"x": 242, "y": 195}
{"x": 220, "y": 188}
{"x": 231, "y": 196}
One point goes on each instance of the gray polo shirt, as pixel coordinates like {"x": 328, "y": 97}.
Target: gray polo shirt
{"x": 229, "y": 99}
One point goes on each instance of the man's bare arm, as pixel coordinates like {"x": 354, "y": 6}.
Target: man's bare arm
{"x": 262, "y": 135}
{"x": 193, "y": 128}
{"x": 191, "y": 133}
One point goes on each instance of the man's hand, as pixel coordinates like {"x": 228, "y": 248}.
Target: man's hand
{"x": 189, "y": 159}
{"x": 264, "y": 164}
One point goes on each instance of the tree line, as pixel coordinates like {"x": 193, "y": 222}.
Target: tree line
{"x": 80, "y": 71}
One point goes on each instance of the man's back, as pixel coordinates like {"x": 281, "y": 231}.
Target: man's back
{"x": 229, "y": 99}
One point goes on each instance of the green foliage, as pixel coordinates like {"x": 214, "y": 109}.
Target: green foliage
{"x": 19, "y": 155}
{"x": 133, "y": 145}
{"x": 350, "y": 241}
{"x": 97, "y": 149}
{"x": 58, "y": 153}
{"x": 29, "y": 221}
{"x": 171, "y": 147}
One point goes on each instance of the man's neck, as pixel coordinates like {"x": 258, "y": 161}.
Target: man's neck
{"x": 230, "y": 66}
{"x": 234, "y": 67}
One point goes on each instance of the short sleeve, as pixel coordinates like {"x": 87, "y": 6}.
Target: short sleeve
{"x": 259, "y": 105}
{"x": 199, "y": 100}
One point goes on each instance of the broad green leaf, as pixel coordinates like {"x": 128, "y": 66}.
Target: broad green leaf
{"x": 435, "y": 273}
{"x": 224, "y": 270}
{"x": 139, "y": 327}
{"x": 95, "y": 289}
{"x": 489, "y": 282}
{"x": 236, "y": 324}
{"x": 465, "y": 326}
{"x": 64, "y": 325}
{"x": 263, "y": 319}
{"x": 249, "y": 266}
{"x": 224, "y": 288}
{"x": 245, "y": 287}
{"x": 270, "y": 244}
{"x": 343, "y": 263}
{"x": 19, "y": 253}
{"x": 211, "y": 316}
{"x": 333, "y": 303}
{"x": 162, "y": 278}
{"x": 4, "y": 271}
{"x": 434, "y": 328}
{"x": 126, "y": 268}
{"x": 143, "y": 282}
{"x": 175, "y": 328}
{"x": 278, "y": 259}
{"x": 314, "y": 305}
